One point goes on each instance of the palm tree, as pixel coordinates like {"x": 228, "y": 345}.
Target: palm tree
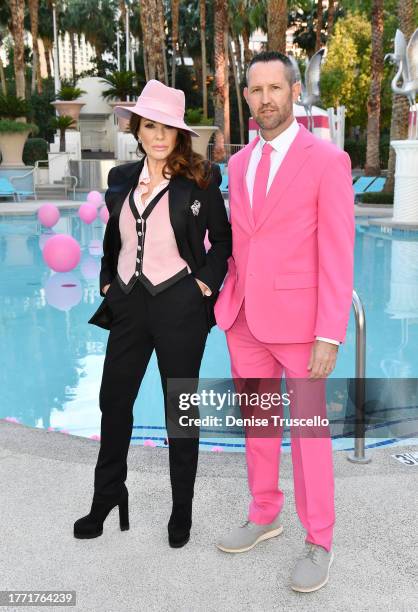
{"x": 238, "y": 92}
{"x": 122, "y": 85}
{"x": 154, "y": 45}
{"x": 2, "y": 76}
{"x": 99, "y": 27}
{"x": 17, "y": 10}
{"x": 221, "y": 91}
{"x": 161, "y": 38}
{"x": 45, "y": 32}
{"x": 330, "y": 17}
{"x": 62, "y": 123}
{"x": 236, "y": 23}
{"x": 202, "y": 8}
{"x": 276, "y": 25}
{"x": 372, "y": 166}
{"x": 400, "y": 105}
{"x": 36, "y": 69}
{"x": 143, "y": 16}
{"x": 175, "y": 37}
{"x": 319, "y": 17}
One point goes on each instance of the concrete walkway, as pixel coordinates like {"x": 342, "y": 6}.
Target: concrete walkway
{"x": 46, "y": 484}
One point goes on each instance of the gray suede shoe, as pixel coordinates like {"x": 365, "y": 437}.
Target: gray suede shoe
{"x": 243, "y": 538}
{"x": 311, "y": 571}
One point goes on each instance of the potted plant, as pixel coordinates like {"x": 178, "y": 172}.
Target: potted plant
{"x": 62, "y": 123}
{"x": 12, "y": 107}
{"x": 122, "y": 85}
{"x": 203, "y": 126}
{"x": 13, "y": 135}
{"x": 67, "y": 102}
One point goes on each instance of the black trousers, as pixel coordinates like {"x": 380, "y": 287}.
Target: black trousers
{"x": 174, "y": 324}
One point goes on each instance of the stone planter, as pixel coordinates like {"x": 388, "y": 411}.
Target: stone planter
{"x": 11, "y": 147}
{"x": 123, "y": 124}
{"x": 200, "y": 145}
{"x": 71, "y": 108}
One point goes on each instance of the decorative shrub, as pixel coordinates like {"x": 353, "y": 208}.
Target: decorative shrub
{"x": 194, "y": 116}
{"x": 12, "y": 107}
{"x": 34, "y": 150}
{"x": 69, "y": 93}
{"x": 377, "y": 198}
{"x": 9, "y": 126}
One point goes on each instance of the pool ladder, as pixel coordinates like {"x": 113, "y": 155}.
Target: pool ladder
{"x": 359, "y": 454}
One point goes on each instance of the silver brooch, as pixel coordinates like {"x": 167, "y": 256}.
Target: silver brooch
{"x": 195, "y": 207}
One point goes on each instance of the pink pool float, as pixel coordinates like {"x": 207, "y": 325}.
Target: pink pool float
{"x": 87, "y": 212}
{"x": 95, "y": 197}
{"x": 150, "y": 443}
{"x": 48, "y": 215}
{"x": 61, "y": 253}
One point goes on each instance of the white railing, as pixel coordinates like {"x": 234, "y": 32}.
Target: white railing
{"x": 21, "y": 176}
{"x": 67, "y": 174}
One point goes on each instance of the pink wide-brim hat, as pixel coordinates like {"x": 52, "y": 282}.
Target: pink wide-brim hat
{"x": 159, "y": 103}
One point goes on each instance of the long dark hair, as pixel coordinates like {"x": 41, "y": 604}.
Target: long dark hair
{"x": 182, "y": 160}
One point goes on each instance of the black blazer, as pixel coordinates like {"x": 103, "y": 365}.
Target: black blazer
{"x": 189, "y": 230}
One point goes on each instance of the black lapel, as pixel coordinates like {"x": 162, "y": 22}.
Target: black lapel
{"x": 179, "y": 192}
{"x": 128, "y": 177}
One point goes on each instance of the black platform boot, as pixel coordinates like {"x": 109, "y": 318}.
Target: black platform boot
{"x": 91, "y": 525}
{"x": 179, "y": 525}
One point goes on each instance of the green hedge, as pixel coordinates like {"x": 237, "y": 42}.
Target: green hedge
{"x": 377, "y": 198}
{"x": 35, "y": 149}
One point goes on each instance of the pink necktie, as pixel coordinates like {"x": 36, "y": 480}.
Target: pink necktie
{"x": 261, "y": 180}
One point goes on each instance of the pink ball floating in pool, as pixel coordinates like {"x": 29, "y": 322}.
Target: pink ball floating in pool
{"x": 104, "y": 214}
{"x": 48, "y": 215}
{"x": 87, "y": 212}
{"x": 217, "y": 449}
{"x": 62, "y": 253}
{"x": 11, "y": 419}
{"x": 94, "y": 197}
{"x": 95, "y": 437}
{"x": 150, "y": 443}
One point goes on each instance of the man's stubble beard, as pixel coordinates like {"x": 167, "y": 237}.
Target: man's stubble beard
{"x": 281, "y": 116}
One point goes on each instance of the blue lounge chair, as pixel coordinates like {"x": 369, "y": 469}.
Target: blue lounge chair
{"x": 362, "y": 184}
{"x": 224, "y": 172}
{"x": 8, "y": 189}
{"x": 377, "y": 185}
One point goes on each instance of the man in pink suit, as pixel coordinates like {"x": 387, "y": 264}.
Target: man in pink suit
{"x": 286, "y": 299}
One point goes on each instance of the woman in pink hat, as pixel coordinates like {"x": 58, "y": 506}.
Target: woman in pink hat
{"x": 159, "y": 287}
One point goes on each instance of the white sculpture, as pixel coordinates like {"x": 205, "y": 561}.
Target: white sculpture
{"x": 406, "y": 57}
{"x": 310, "y": 94}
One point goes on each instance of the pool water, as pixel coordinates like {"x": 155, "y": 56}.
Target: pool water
{"x": 52, "y": 359}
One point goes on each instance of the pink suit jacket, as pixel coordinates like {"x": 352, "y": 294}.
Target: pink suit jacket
{"x": 295, "y": 266}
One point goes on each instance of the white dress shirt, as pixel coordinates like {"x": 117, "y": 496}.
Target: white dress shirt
{"x": 280, "y": 146}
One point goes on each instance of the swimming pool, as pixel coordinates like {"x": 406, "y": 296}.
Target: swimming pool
{"x": 51, "y": 359}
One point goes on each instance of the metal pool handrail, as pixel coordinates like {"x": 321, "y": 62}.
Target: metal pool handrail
{"x": 359, "y": 455}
